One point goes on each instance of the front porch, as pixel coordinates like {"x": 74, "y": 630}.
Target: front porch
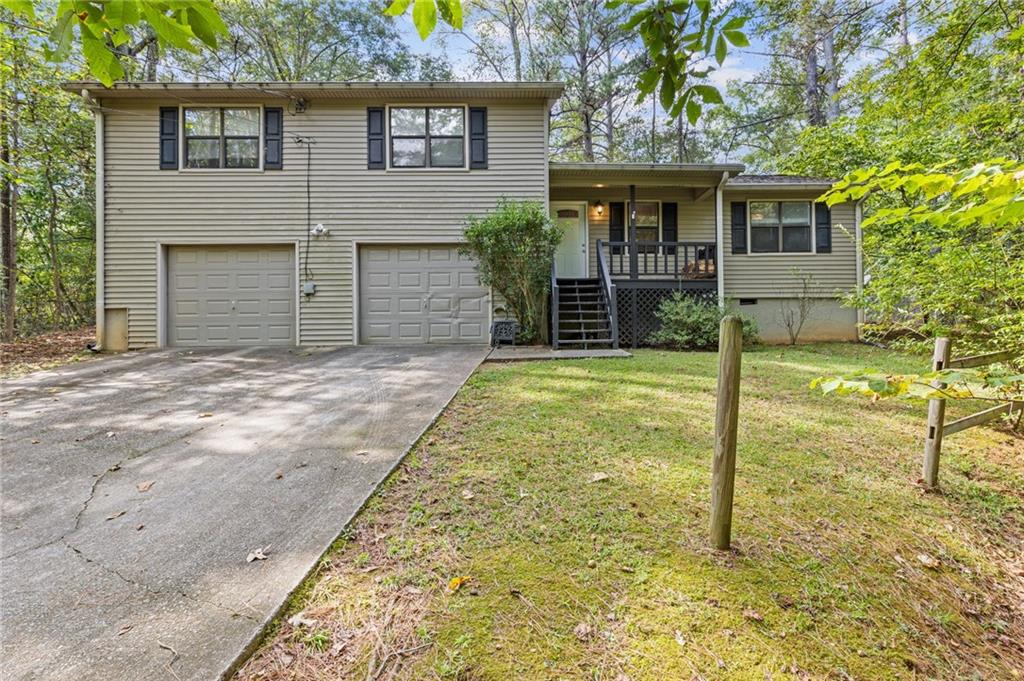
{"x": 634, "y": 234}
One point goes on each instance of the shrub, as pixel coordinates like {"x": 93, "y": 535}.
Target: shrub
{"x": 514, "y": 246}
{"x": 689, "y": 324}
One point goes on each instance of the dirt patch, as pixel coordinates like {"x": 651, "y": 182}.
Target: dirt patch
{"x": 44, "y": 351}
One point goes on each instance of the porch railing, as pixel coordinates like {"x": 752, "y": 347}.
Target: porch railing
{"x": 608, "y": 292}
{"x": 553, "y": 301}
{"x": 661, "y": 259}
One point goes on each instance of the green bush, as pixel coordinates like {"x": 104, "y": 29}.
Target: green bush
{"x": 514, "y": 246}
{"x": 689, "y": 324}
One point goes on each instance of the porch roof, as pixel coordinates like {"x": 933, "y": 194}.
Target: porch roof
{"x": 570, "y": 174}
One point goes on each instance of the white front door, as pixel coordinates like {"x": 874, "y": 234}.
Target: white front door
{"x": 571, "y": 256}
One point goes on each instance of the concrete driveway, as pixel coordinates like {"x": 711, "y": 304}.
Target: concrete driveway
{"x": 134, "y": 488}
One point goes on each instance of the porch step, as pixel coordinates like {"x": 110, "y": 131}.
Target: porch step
{"x": 583, "y": 320}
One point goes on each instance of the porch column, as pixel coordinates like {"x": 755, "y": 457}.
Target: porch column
{"x": 633, "y": 260}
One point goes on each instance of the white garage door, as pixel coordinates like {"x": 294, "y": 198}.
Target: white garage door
{"x": 420, "y": 294}
{"x": 231, "y": 295}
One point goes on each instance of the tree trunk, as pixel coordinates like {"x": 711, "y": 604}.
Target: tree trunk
{"x": 654, "y": 129}
{"x": 831, "y": 76}
{"x": 51, "y": 238}
{"x": 513, "y": 30}
{"x": 152, "y": 57}
{"x": 8, "y": 218}
{"x": 814, "y": 115}
{"x": 904, "y": 32}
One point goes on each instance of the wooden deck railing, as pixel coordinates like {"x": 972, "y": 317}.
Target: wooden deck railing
{"x": 661, "y": 259}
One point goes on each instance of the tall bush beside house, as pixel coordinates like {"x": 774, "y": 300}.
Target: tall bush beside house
{"x": 514, "y": 246}
{"x": 689, "y": 324}
{"x": 944, "y": 252}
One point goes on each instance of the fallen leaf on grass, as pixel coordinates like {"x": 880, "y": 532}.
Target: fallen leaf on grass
{"x": 679, "y": 638}
{"x": 257, "y": 554}
{"x": 598, "y": 477}
{"x": 753, "y": 615}
{"x": 467, "y": 494}
{"x": 583, "y": 631}
{"x": 928, "y": 561}
{"x": 145, "y": 486}
{"x": 299, "y": 619}
{"x": 456, "y": 582}
{"x": 116, "y": 515}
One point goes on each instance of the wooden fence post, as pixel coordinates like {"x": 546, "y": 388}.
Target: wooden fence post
{"x": 936, "y": 416}
{"x": 723, "y": 467}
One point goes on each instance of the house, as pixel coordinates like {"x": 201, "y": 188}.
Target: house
{"x": 330, "y": 214}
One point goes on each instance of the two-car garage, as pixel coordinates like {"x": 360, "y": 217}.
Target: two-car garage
{"x": 228, "y": 295}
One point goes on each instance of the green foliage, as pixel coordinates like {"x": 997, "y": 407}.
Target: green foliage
{"x": 682, "y": 38}
{"x": 947, "y": 252}
{"x": 101, "y": 28}
{"x": 514, "y": 246}
{"x": 425, "y": 13}
{"x": 689, "y": 324}
{"x": 49, "y": 136}
{"x": 998, "y": 384}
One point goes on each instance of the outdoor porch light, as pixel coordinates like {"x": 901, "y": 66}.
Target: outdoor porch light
{"x": 599, "y": 207}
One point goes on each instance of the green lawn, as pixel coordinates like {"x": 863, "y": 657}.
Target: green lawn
{"x": 842, "y": 568}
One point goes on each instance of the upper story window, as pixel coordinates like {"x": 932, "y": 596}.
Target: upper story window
{"x": 428, "y": 137}
{"x": 221, "y": 137}
{"x": 780, "y": 227}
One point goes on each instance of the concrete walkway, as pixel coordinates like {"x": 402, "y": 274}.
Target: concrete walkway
{"x": 135, "y": 487}
{"x": 523, "y": 353}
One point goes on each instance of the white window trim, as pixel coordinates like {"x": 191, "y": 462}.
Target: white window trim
{"x": 814, "y": 230}
{"x": 182, "y": 168}
{"x": 431, "y": 105}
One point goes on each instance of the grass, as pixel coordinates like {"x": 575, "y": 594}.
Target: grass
{"x": 842, "y": 567}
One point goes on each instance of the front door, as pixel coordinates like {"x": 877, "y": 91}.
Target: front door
{"x": 571, "y": 256}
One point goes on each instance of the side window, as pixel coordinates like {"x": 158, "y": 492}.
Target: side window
{"x": 780, "y": 227}
{"x": 218, "y": 137}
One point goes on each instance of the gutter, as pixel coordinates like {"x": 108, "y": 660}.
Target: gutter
{"x": 720, "y": 240}
{"x": 101, "y": 270}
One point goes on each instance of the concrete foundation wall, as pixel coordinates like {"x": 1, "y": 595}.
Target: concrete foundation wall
{"x": 828, "y": 319}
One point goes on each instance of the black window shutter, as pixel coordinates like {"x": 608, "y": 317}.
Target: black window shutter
{"x": 823, "y": 227}
{"x": 669, "y": 225}
{"x": 168, "y": 138}
{"x": 375, "y": 138}
{"x": 616, "y": 223}
{"x": 739, "y": 227}
{"x": 477, "y": 137}
{"x": 273, "y": 138}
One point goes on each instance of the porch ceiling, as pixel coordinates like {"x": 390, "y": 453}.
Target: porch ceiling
{"x": 563, "y": 174}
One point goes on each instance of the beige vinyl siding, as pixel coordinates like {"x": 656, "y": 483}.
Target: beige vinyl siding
{"x": 696, "y": 219}
{"x": 771, "y": 275}
{"x": 146, "y": 205}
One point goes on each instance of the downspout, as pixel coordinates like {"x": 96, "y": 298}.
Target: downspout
{"x": 858, "y": 214}
{"x": 720, "y": 241}
{"x": 100, "y": 206}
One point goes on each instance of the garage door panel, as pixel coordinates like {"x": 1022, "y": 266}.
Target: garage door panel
{"x": 231, "y": 295}
{"x": 432, "y": 295}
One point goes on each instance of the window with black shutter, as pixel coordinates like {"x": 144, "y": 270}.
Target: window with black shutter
{"x": 273, "y": 138}
{"x": 168, "y": 138}
{"x": 822, "y": 228}
{"x": 739, "y": 227}
{"x": 478, "y": 137}
{"x": 375, "y": 138}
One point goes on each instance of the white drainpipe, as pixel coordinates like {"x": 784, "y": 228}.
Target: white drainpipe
{"x": 720, "y": 241}
{"x": 100, "y": 205}
{"x": 858, "y": 214}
